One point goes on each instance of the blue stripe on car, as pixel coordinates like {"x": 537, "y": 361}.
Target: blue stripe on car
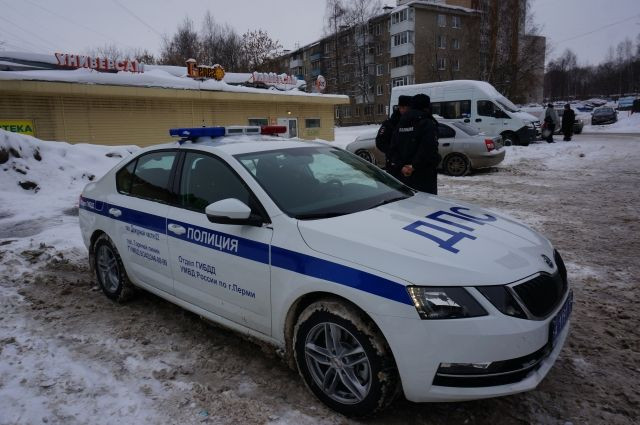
{"x": 280, "y": 257}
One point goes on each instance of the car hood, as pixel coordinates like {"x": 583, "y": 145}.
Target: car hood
{"x": 429, "y": 240}
{"x": 524, "y": 116}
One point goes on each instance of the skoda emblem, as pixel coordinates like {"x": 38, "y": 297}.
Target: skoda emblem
{"x": 548, "y": 261}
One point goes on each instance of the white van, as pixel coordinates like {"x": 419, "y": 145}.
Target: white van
{"x": 479, "y": 104}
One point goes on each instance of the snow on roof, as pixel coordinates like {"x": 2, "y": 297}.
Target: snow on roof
{"x": 162, "y": 76}
{"x": 438, "y": 5}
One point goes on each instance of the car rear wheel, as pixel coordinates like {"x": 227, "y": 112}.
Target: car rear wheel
{"x": 366, "y": 155}
{"x": 112, "y": 278}
{"x": 344, "y": 360}
{"x": 457, "y": 165}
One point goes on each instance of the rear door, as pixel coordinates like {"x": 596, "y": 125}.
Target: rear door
{"x": 222, "y": 268}
{"x": 139, "y": 210}
{"x": 485, "y": 120}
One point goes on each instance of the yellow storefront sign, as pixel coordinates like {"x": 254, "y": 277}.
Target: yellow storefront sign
{"x": 18, "y": 126}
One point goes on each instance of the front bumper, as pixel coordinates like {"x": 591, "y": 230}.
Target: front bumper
{"x": 526, "y": 135}
{"x": 421, "y": 346}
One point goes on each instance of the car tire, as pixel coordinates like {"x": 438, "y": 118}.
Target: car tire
{"x": 456, "y": 165}
{"x": 360, "y": 383}
{"x": 366, "y": 155}
{"x": 110, "y": 273}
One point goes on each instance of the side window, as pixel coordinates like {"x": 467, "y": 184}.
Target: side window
{"x": 151, "y": 176}
{"x": 124, "y": 177}
{"x": 485, "y": 108}
{"x": 206, "y": 179}
{"x": 445, "y": 132}
{"x": 456, "y": 109}
{"x": 436, "y": 108}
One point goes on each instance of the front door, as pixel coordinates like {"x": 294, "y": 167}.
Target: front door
{"x": 222, "y": 268}
{"x": 291, "y": 124}
{"x": 485, "y": 120}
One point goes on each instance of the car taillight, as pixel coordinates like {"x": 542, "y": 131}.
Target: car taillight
{"x": 489, "y": 144}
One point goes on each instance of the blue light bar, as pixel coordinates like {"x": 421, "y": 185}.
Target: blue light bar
{"x": 194, "y": 133}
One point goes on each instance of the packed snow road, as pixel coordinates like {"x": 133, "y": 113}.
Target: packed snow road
{"x": 68, "y": 355}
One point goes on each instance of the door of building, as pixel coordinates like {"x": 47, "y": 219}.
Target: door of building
{"x": 292, "y": 126}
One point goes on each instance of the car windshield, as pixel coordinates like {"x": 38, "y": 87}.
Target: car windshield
{"x": 320, "y": 182}
{"x": 466, "y": 128}
{"x": 603, "y": 111}
{"x": 506, "y": 104}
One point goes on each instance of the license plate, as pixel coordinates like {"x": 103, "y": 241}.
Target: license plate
{"x": 559, "y": 322}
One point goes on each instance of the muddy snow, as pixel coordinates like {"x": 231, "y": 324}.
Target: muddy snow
{"x": 68, "y": 355}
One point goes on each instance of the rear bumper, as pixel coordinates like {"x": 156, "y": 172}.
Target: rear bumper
{"x": 491, "y": 159}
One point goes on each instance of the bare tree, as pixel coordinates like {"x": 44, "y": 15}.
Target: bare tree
{"x": 183, "y": 45}
{"x": 258, "y": 48}
{"x": 220, "y": 44}
{"x": 113, "y": 52}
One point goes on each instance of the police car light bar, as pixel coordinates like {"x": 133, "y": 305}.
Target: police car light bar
{"x": 194, "y": 133}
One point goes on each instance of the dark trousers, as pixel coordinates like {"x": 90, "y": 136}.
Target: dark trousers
{"x": 568, "y": 133}
{"x": 551, "y": 128}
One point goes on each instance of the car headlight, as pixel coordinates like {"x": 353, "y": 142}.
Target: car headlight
{"x": 444, "y": 303}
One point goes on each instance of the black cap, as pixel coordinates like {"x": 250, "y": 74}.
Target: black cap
{"x": 404, "y": 100}
{"x": 421, "y": 101}
{"x": 549, "y": 105}
{"x": 567, "y": 106}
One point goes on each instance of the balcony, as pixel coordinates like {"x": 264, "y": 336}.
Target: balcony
{"x": 402, "y": 26}
{"x": 403, "y": 49}
{"x": 401, "y": 71}
{"x": 295, "y": 63}
{"x": 315, "y": 72}
{"x": 315, "y": 57}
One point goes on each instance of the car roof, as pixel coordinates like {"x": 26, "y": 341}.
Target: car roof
{"x": 233, "y": 145}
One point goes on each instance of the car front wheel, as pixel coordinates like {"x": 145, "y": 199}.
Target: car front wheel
{"x": 112, "y": 277}
{"x": 344, "y": 360}
{"x": 366, "y": 155}
{"x": 456, "y": 165}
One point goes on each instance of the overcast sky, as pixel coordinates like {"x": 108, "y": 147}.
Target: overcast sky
{"x": 72, "y": 26}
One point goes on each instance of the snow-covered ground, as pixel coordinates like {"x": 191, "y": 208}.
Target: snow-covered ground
{"x": 68, "y": 355}
{"x": 627, "y": 123}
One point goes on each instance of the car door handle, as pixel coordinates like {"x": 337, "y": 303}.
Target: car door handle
{"x": 467, "y": 120}
{"x": 115, "y": 212}
{"x": 446, "y": 144}
{"x": 177, "y": 229}
{"x": 478, "y": 119}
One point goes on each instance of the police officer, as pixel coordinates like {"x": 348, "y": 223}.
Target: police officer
{"x": 414, "y": 153}
{"x": 388, "y": 127}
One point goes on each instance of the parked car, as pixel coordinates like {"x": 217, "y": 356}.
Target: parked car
{"x": 480, "y": 105}
{"x": 462, "y": 148}
{"x": 604, "y": 115}
{"x": 366, "y": 287}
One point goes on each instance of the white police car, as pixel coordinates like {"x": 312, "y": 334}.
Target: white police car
{"x": 367, "y": 287}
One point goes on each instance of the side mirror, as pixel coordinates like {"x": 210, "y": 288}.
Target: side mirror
{"x": 232, "y": 211}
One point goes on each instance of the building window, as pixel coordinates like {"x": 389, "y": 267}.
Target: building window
{"x": 402, "y": 81}
{"x": 455, "y": 64}
{"x": 380, "y": 109}
{"x": 378, "y": 49}
{"x": 402, "y": 38}
{"x": 368, "y": 110}
{"x": 455, "y": 43}
{"x": 258, "y": 121}
{"x": 346, "y": 112}
{"x": 400, "y": 16}
{"x": 442, "y": 65}
{"x": 441, "y": 42}
{"x": 379, "y": 70}
{"x": 402, "y": 61}
{"x": 345, "y": 77}
{"x": 456, "y": 22}
{"x": 357, "y": 113}
{"x": 442, "y": 21}
{"x": 312, "y": 123}
{"x": 376, "y": 29}
{"x": 337, "y": 112}
{"x": 379, "y": 90}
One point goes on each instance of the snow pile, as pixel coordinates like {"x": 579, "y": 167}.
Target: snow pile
{"x": 345, "y": 135}
{"x": 41, "y": 182}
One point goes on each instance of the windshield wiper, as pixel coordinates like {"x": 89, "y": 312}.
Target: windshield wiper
{"x": 313, "y": 216}
{"x": 388, "y": 201}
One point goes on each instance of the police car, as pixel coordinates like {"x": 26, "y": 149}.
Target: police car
{"x": 367, "y": 287}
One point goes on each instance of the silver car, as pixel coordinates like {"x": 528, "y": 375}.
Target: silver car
{"x": 462, "y": 148}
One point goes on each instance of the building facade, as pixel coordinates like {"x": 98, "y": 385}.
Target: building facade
{"x": 414, "y": 42}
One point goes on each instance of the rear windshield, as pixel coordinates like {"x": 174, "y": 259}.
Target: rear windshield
{"x": 466, "y": 128}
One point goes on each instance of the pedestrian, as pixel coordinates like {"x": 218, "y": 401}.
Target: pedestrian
{"x": 414, "y": 156}
{"x": 385, "y": 133}
{"x": 568, "y": 118}
{"x": 550, "y": 122}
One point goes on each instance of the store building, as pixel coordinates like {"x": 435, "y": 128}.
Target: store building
{"x": 124, "y": 107}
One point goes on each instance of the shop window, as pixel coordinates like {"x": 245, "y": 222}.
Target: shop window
{"x": 258, "y": 121}
{"x": 312, "y": 123}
